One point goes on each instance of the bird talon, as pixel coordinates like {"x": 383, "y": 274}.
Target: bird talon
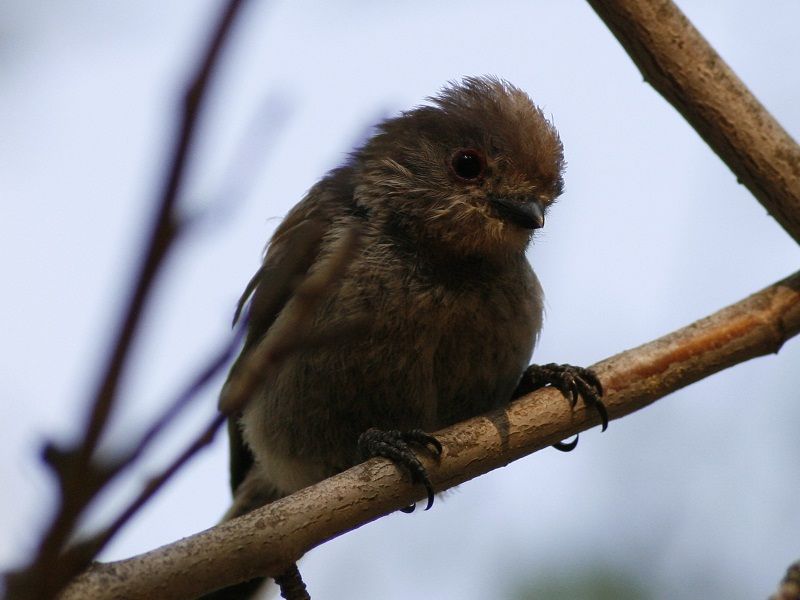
{"x": 395, "y": 445}
{"x": 418, "y": 436}
{"x": 603, "y": 412}
{"x": 593, "y": 380}
{"x": 567, "y": 446}
{"x": 575, "y": 393}
{"x": 573, "y": 383}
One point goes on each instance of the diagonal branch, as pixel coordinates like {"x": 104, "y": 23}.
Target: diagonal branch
{"x": 680, "y": 64}
{"x": 265, "y": 541}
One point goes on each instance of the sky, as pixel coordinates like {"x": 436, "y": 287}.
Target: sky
{"x": 693, "y": 497}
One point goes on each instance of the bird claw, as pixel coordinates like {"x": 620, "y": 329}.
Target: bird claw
{"x": 573, "y": 383}
{"x": 396, "y": 446}
{"x": 567, "y": 446}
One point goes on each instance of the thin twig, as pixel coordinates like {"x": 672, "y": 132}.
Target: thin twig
{"x": 164, "y": 229}
{"x": 84, "y": 551}
{"x": 681, "y": 65}
{"x": 267, "y": 540}
{"x": 80, "y": 477}
{"x": 190, "y": 392}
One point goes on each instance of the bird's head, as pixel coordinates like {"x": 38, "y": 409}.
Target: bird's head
{"x": 472, "y": 173}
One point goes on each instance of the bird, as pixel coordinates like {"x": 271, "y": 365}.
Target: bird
{"x": 421, "y": 237}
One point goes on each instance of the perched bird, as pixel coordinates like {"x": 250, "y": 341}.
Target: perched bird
{"x": 439, "y": 208}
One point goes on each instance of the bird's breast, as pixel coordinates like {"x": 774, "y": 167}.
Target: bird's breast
{"x": 478, "y": 336}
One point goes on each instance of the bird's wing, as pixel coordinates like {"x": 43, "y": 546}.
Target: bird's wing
{"x": 289, "y": 255}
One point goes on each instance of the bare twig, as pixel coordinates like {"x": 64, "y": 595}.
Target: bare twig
{"x": 164, "y": 230}
{"x": 267, "y": 540}
{"x": 190, "y": 392}
{"x": 80, "y": 475}
{"x": 87, "y": 549}
{"x": 79, "y": 555}
{"x": 680, "y": 64}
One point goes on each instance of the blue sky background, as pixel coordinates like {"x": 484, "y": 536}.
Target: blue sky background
{"x": 694, "y": 497}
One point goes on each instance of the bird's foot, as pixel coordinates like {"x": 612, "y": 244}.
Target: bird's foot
{"x": 291, "y": 584}
{"x": 573, "y": 383}
{"x": 396, "y": 446}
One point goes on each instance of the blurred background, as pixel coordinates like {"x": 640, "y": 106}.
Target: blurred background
{"x": 693, "y": 497}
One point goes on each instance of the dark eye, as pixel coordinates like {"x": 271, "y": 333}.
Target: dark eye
{"x": 467, "y": 164}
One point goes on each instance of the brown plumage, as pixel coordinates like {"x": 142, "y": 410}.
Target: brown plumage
{"x": 445, "y": 199}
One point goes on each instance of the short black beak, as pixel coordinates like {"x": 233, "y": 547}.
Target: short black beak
{"x": 527, "y": 214}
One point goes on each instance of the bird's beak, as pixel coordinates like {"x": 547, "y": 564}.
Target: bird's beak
{"x": 528, "y": 214}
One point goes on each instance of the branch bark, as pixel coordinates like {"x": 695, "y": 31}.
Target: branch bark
{"x": 680, "y": 64}
{"x": 267, "y": 540}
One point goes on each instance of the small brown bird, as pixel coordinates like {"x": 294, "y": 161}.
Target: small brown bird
{"x": 444, "y": 199}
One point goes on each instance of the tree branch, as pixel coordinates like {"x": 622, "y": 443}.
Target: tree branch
{"x": 164, "y": 229}
{"x": 680, "y": 64}
{"x": 79, "y": 473}
{"x": 267, "y": 540}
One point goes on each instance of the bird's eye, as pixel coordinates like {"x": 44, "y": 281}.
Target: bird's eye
{"x": 467, "y": 164}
